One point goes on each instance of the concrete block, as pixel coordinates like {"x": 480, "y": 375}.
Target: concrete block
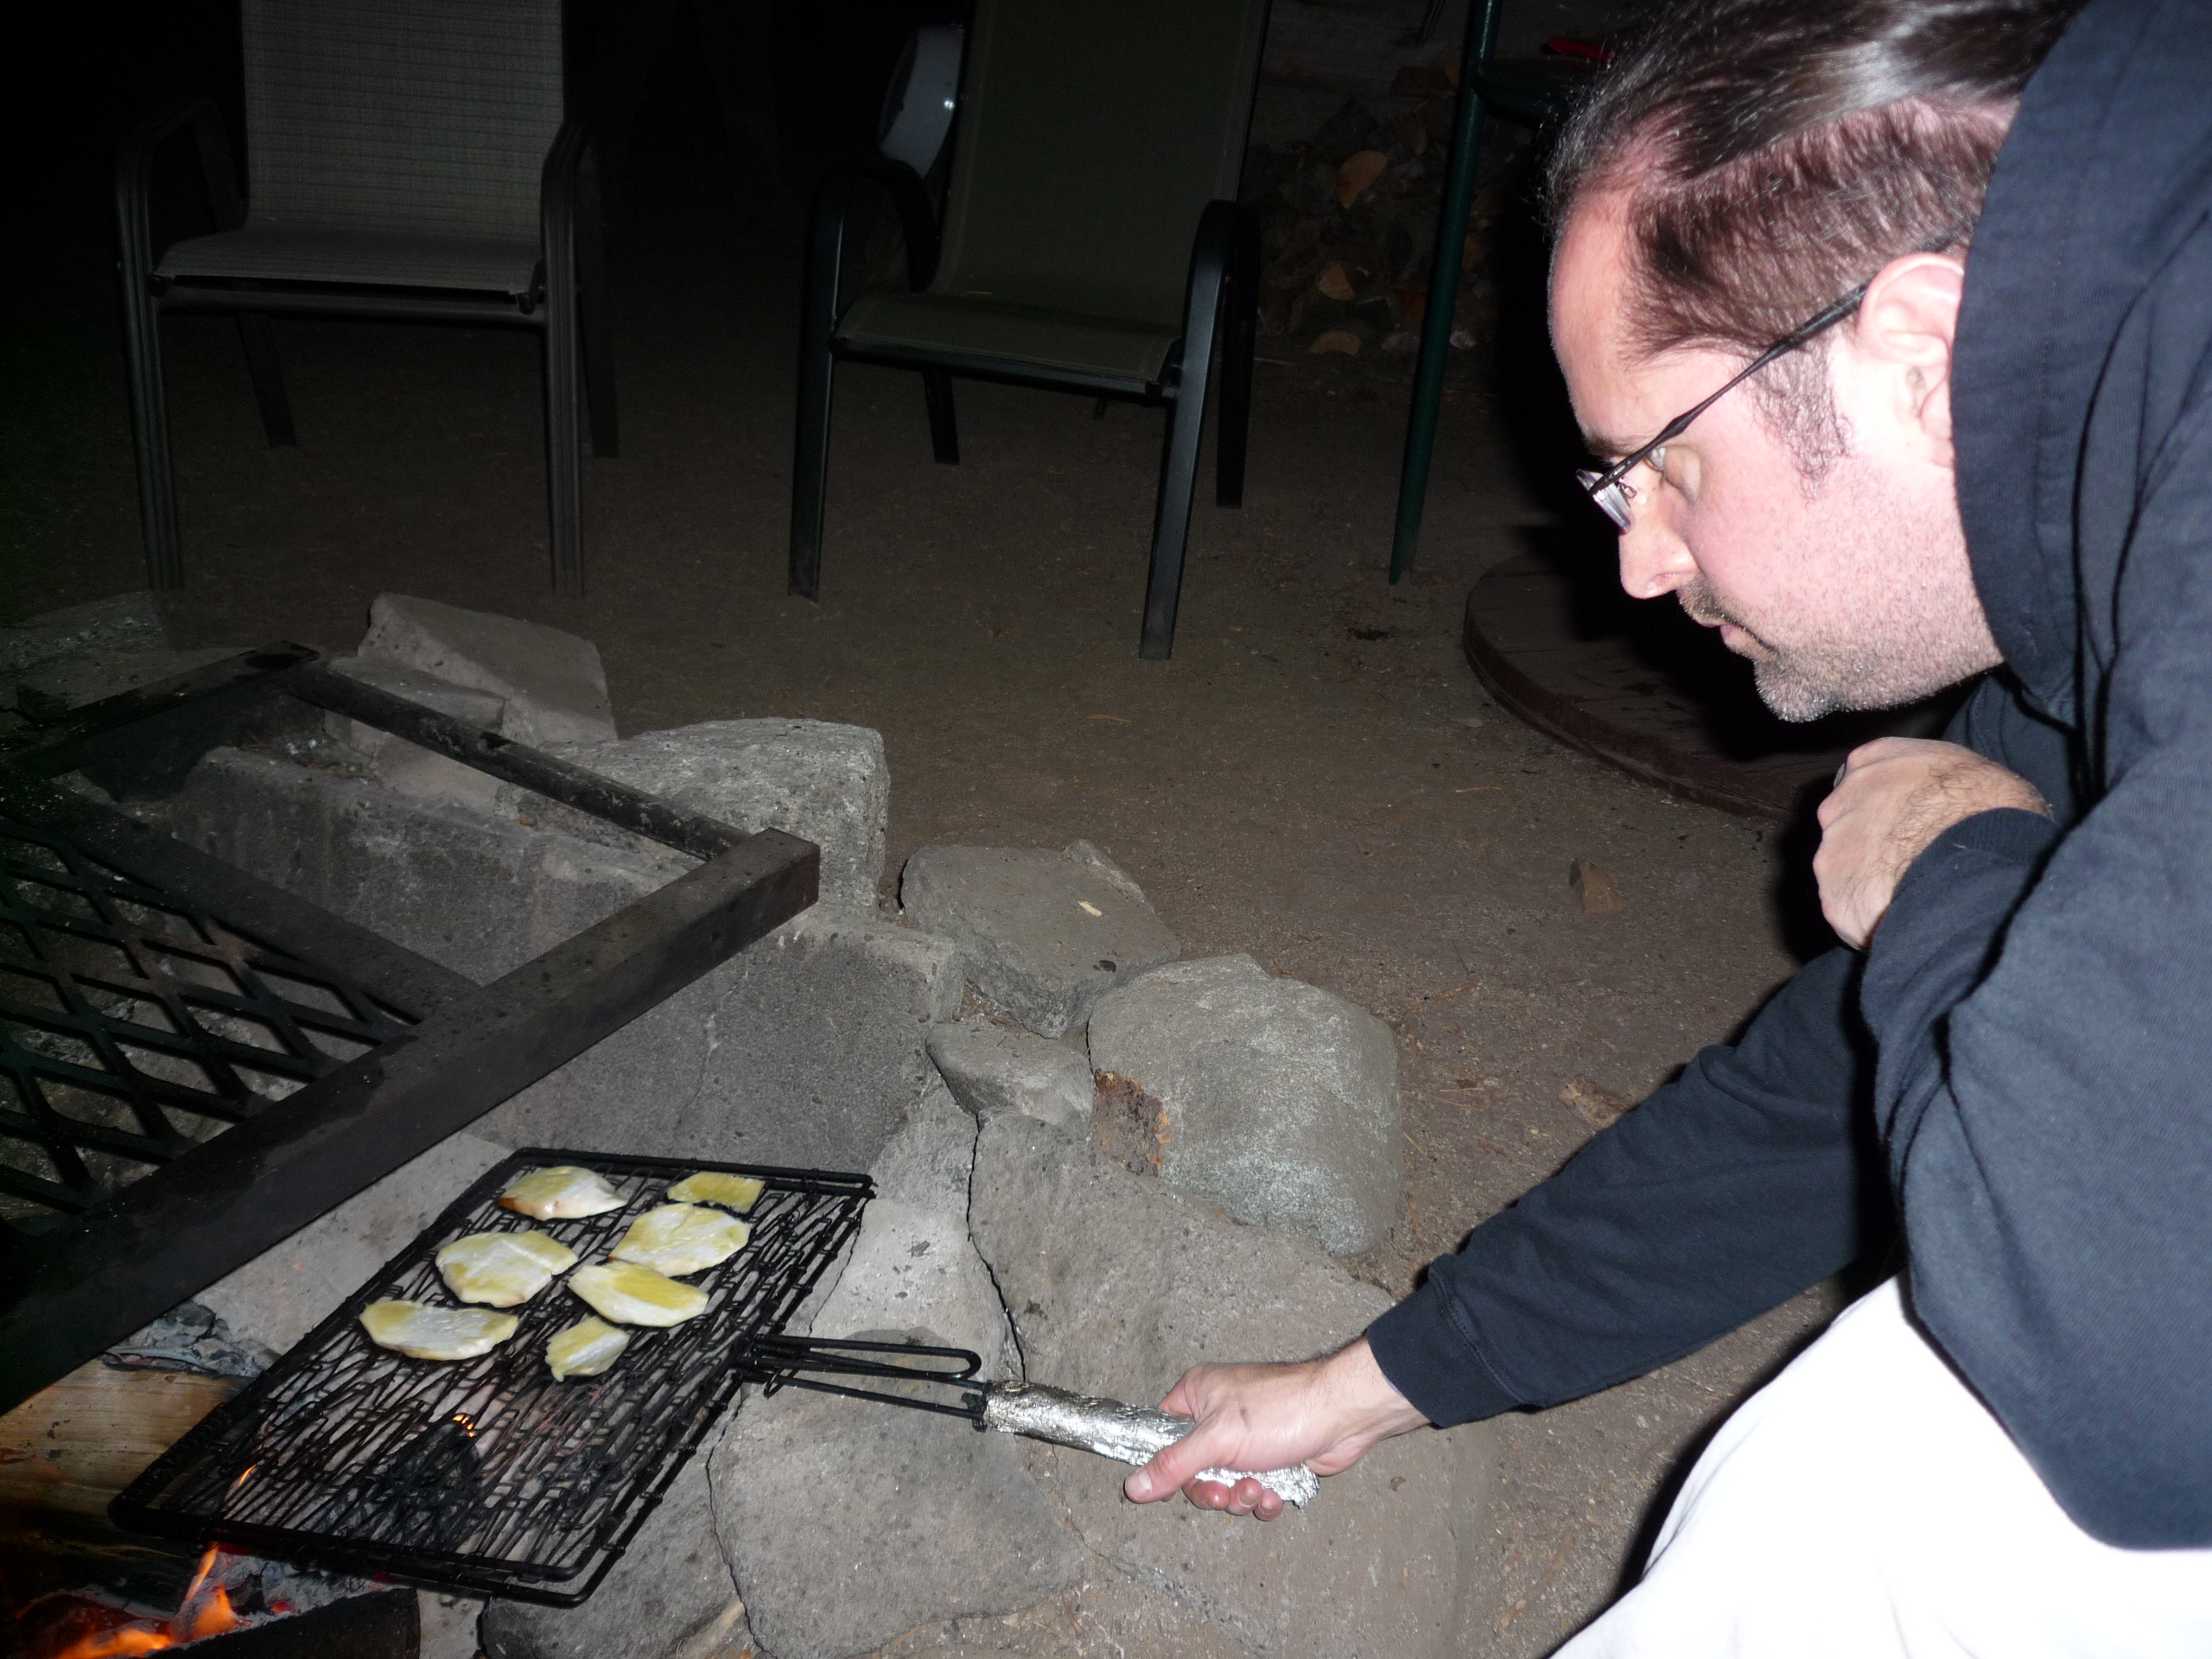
{"x": 811, "y": 778}
{"x": 126, "y": 622}
{"x": 553, "y": 685}
{"x": 994, "y": 1068}
{"x": 1275, "y": 1099}
{"x": 671, "y": 1596}
{"x": 1044, "y": 935}
{"x": 285, "y": 1293}
{"x": 407, "y": 767}
{"x": 1117, "y": 1284}
{"x": 47, "y": 690}
{"x": 847, "y": 1522}
{"x": 805, "y": 1049}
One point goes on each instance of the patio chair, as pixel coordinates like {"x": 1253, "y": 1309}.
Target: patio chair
{"x": 1091, "y": 243}
{"x": 409, "y": 162}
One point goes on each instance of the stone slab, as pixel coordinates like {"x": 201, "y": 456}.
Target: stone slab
{"x": 1117, "y": 1284}
{"x": 671, "y": 1596}
{"x": 47, "y": 690}
{"x": 125, "y": 622}
{"x": 805, "y": 1049}
{"x": 553, "y": 683}
{"x": 826, "y": 782}
{"x": 285, "y": 1292}
{"x": 847, "y": 1522}
{"x": 1276, "y": 1100}
{"x": 992, "y": 1067}
{"x": 1043, "y": 934}
{"x": 1108, "y": 1616}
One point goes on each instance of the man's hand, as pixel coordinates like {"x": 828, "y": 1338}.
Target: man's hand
{"x": 1893, "y": 798}
{"x": 1323, "y": 1412}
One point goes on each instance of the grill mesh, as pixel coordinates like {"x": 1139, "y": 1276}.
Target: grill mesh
{"x": 134, "y": 1025}
{"x": 487, "y": 1475}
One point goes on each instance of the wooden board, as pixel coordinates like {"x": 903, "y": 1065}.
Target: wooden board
{"x": 1641, "y": 687}
{"x": 75, "y": 1444}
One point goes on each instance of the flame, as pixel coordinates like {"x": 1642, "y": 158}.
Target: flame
{"x": 212, "y": 1615}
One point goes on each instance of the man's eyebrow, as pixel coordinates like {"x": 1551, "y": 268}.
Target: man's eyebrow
{"x": 1610, "y": 449}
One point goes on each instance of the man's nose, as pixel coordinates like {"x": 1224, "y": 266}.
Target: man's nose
{"x": 1654, "y": 560}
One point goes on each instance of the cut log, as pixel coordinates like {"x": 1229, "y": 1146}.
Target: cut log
{"x": 75, "y": 1444}
{"x": 1358, "y": 176}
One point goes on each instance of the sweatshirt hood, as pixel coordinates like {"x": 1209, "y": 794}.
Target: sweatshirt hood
{"x": 2107, "y": 169}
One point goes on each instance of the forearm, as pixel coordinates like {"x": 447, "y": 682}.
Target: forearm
{"x": 1752, "y": 1177}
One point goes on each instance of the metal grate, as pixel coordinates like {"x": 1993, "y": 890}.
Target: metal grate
{"x": 134, "y": 1025}
{"x": 487, "y": 1475}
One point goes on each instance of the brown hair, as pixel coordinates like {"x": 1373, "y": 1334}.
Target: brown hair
{"x": 1780, "y": 152}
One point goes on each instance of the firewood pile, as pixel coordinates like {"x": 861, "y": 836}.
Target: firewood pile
{"x": 1347, "y": 219}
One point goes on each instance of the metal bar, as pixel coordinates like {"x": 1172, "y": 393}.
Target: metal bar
{"x": 1443, "y": 284}
{"x": 1211, "y": 257}
{"x": 512, "y": 762}
{"x": 411, "y": 985}
{"x": 91, "y": 1280}
{"x": 199, "y": 699}
{"x": 387, "y": 305}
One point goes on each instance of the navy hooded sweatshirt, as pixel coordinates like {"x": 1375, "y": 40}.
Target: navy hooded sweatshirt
{"x": 2020, "y": 1070}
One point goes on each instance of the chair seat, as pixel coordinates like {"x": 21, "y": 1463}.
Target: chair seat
{"x": 288, "y": 253}
{"x": 1070, "y": 340}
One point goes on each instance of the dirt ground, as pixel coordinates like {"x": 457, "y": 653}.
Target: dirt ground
{"x": 1315, "y": 778}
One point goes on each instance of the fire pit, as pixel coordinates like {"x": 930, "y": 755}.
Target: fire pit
{"x": 128, "y": 962}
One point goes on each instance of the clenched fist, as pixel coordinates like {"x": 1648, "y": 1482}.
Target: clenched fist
{"x": 1893, "y": 796}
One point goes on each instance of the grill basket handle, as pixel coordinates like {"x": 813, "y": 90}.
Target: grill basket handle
{"x": 774, "y": 1362}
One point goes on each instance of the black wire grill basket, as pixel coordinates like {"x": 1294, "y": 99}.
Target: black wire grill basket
{"x": 487, "y": 1475}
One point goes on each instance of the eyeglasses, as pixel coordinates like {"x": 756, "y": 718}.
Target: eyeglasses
{"x": 1607, "y": 488}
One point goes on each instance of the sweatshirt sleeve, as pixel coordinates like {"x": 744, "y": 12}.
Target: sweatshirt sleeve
{"x": 1751, "y": 1176}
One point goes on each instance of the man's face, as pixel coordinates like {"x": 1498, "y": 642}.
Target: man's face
{"x": 1847, "y": 591}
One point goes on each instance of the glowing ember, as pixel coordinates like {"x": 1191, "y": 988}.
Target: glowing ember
{"x": 197, "y": 1616}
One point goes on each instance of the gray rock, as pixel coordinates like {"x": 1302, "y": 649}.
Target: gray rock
{"x": 1044, "y": 935}
{"x": 927, "y": 1163}
{"x": 1110, "y": 1614}
{"x": 671, "y": 1596}
{"x": 849, "y": 1523}
{"x": 810, "y": 778}
{"x": 285, "y": 1292}
{"x": 553, "y": 683}
{"x": 994, "y": 1068}
{"x": 1119, "y": 1283}
{"x": 50, "y": 690}
{"x": 1278, "y": 1100}
{"x": 912, "y": 1263}
{"x": 127, "y": 622}
{"x": 406, "y": 766}
{"x": 806, "y": 1049}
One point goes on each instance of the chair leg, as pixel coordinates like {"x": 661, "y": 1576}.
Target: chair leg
{"x": 811, "y": 469}
{"x": 594, "y": 313}
{"x": 149, "y": 432}
{"x": 266, "y": 370}
{"x": 1171, "y": 526}
{"x": 944, "y": 430}
{"x": 564, "y": 437}
{"x": 1240, "y": 328}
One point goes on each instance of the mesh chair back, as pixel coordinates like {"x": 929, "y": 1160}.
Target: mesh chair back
{"x": 405, "y": 117}
{"x": 1092, "y": 136}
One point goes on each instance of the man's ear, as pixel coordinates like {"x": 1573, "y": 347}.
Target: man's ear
{"x": 1904, "y": 331}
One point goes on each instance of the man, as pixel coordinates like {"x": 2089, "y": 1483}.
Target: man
{"x": 1889, "y": 421}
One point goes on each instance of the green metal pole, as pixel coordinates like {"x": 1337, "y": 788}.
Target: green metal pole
{"x": 1443, "y": 285}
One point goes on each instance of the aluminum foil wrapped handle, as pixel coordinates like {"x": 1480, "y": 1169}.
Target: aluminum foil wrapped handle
{"x": 1130, "y": 1434}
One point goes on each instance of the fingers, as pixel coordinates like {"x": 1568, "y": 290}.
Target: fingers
{"x": 1173, "y": 1467}
{"x": 1247, "y": 1497}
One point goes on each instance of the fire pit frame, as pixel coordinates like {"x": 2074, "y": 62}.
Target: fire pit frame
{"x": 72, "y": 1287}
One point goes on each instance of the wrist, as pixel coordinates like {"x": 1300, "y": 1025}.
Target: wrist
{"x": 1366, "y": 1401}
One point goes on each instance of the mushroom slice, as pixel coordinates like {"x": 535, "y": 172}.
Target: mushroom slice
{"x": 630, "y": 1294}
{"x": 738, "y": 1192}
{"x": 421, "y": 1332}
{"x": 585, "y": 1349}
{"x": 560, "y": 1192}
{"x": 680, "y": 1238}
{"x": 503, "y": 1270}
